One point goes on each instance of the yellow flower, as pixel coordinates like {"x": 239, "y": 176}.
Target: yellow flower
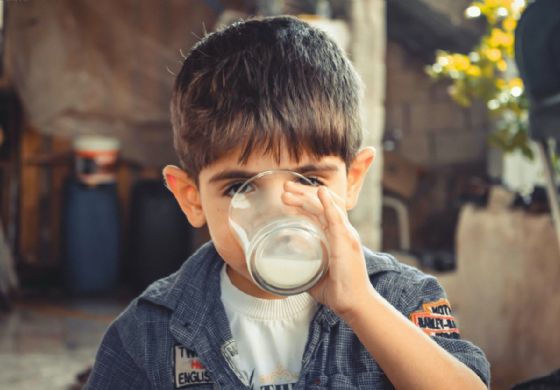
{"x": 473, "y": 71}
{"x": 460, "y": 62}
{"x": 499, "y": 38}
{"x": 509, "y": 24}
{"x": 493, "y": 54}
{"x": 515, "y": 82}
{"x": 505, "y": 3}
{"x": 502, "y": 65}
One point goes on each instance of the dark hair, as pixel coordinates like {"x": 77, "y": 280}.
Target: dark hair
{"x": 261, "y": 84}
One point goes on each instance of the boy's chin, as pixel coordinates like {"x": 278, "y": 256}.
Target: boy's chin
{"x": 237, "y": 273}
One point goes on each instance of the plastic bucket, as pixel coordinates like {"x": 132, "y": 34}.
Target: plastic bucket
{"x": 96, "y": 159}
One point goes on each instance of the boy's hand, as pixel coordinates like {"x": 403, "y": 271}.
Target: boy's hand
{"x": 346, "y": 289}
{"x": 346, "y": 284}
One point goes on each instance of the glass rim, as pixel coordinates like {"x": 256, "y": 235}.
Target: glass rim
{"x": 266, "y": 173}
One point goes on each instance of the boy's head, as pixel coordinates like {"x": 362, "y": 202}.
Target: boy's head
{"x": 259, "y": 95}
{"x": 268, "y": 85}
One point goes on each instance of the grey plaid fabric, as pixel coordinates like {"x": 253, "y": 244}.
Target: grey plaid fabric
{"x": 182, "y": 317}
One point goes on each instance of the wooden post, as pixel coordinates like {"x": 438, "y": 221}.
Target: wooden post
{"x": 29, "y": 197}
{"x": 367, "y": 50}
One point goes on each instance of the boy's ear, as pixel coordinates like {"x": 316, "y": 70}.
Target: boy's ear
{"x": 186, "y": 193}
{"x": 357, "y": 173}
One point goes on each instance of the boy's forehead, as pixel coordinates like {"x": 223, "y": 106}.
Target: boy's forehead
{"x": 260, "y": 160}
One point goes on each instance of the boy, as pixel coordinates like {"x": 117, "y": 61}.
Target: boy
{"x": 278, "y": 94}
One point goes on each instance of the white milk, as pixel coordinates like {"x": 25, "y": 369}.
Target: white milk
{"x": 287, "y": 273}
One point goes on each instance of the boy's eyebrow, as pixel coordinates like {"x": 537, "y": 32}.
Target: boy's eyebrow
{"x": 232, "y": 174}
{"x": 324, "y": 167}
{"x": 241, "y": 174}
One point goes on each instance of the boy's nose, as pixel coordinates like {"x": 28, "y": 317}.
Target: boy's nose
{"x": 273, "y": 189}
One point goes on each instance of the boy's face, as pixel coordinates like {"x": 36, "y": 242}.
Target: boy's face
{"x": 209, "y": 201}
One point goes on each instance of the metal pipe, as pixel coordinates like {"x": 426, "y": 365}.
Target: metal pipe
{"x": 403, "y": 220}
{"x": 551, "y": 189}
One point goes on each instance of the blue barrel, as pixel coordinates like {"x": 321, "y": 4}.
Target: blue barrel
{"x": 91, "y": 237}
{"x": 160, "y": 237}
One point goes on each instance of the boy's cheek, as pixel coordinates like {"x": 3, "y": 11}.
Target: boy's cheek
{"x": 236, "y": 260}
{"x": 339, "y": 190}
{"x": 230, "y": 250}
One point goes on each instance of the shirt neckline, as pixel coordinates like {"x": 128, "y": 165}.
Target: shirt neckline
{"x": 263, "y": 309}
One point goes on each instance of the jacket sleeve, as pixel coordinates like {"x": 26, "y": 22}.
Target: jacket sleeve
{"x": 425, "y": 303}
{"x": 114, "y": 369}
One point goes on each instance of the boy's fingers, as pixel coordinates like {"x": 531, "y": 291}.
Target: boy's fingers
{"x": 295, "y": 187}
{"x": 313, "y": 209}
{"x": 336, "y": 216}
{"x": 302, "y": 189}
{"x": 332, "y": 211}
{"x": 337, "y": 199}
{"x": 292, "y": 199}
{"x": 325, "y": 205}
{"x": 304, "y": 199}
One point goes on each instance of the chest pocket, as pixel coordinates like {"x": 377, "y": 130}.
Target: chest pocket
{"x": 364, "y": 380}
{"x": 188, "y": 371}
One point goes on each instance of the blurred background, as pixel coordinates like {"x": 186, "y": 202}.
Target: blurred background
{"x": 459, "y": 189}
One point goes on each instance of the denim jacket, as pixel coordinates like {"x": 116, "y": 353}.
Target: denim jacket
{"x": 176, "y": 334}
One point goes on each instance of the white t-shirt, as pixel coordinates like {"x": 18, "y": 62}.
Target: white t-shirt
{"x": 270, "y": 334}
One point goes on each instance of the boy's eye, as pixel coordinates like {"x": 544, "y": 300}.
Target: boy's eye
{"x": 232, "y": 189}
{"x": 314, "y": 181}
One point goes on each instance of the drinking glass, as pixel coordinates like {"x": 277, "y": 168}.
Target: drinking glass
{"x": 285, "y": 249}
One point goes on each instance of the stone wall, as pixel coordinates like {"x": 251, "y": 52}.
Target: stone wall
{"x": 451, "y": 8}
{"x": 505, "y": 291}
{"x": 104, "y": 67}
{"x": 434, "y": 130}
{"x": 447, "y": 143}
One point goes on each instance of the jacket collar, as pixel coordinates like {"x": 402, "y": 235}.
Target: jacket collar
{"x": 198, "y": 319}
{"x": 193, "y": 292}
{"x": 377, "y": 262}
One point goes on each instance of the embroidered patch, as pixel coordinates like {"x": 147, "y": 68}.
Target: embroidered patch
{"x": 188, "y": 369}
{"x": 436, "y": 318}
